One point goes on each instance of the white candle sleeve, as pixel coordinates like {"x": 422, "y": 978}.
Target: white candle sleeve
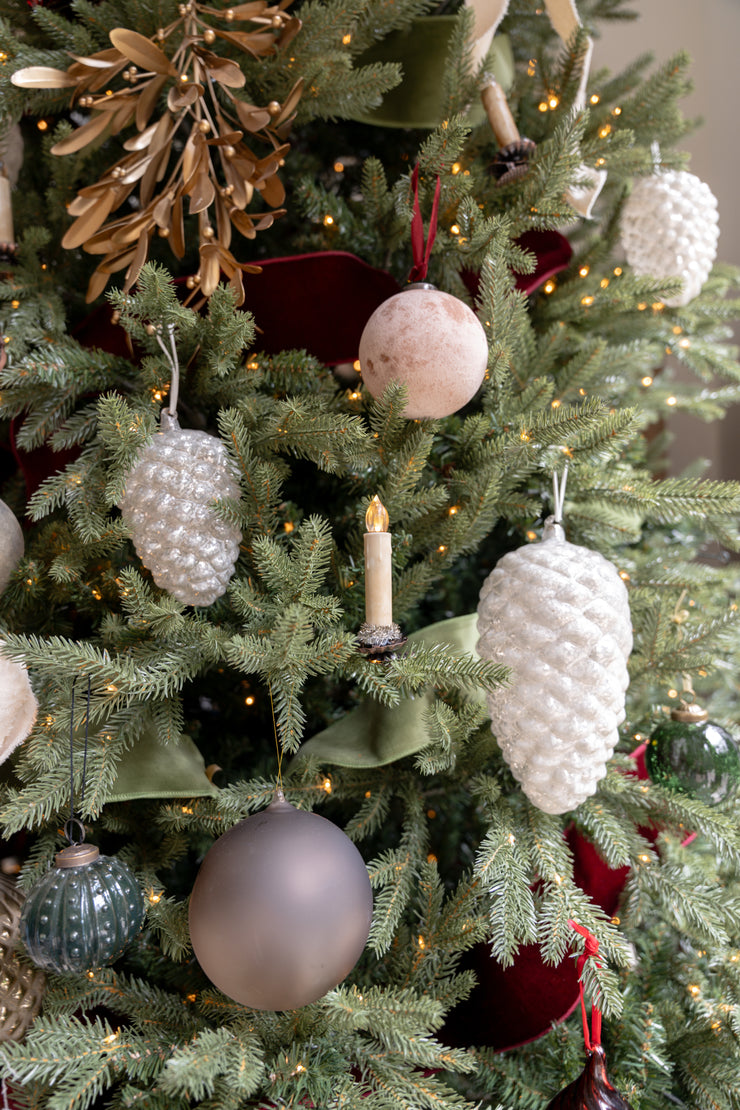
{"x": 378, "y": 579}
{"x": 6, "y": 212}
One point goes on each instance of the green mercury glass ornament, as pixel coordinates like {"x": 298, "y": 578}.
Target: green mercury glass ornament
{"x": 691, "y": 755}
{"x": 82, "y": 913}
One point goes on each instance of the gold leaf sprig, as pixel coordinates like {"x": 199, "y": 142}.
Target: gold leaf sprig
{"x": 216, "y": 172}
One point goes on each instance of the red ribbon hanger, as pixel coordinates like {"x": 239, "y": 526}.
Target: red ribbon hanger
{"x": 591, "y": 948}
{"x": 421, "y": 250}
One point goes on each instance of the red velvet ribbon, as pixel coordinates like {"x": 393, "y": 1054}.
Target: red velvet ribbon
{"x": 591, "y": 948}
{"x": 422, "y": 250}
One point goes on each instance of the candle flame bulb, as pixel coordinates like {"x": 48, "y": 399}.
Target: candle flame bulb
{"x": 376, "y": 517}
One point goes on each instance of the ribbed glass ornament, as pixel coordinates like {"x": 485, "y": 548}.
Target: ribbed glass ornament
{"x": 169, "y": 504}
{"x": 670, "y": 228}
{"x": 695, "y": 757}
{"x": 77, "y": 918}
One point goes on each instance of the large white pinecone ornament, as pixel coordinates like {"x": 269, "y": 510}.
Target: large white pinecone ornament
{"x": 168, "y": 506}
{"x": 557, "y": 614}
{"x": 670, "y": 228}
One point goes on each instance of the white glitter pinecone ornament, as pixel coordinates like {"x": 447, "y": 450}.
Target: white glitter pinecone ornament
{"x": 670, "y": 228}
{"x": 168, "y": 506}
{"x": 557, "y": 614}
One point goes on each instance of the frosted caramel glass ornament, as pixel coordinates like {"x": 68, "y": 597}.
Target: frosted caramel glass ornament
{"x": 168, "y": 504}
{"x": 670, "y": 228}
{"x": 558, "y": 615}
{"x": 281, "y": 908}
{"x": 432, "y": 343}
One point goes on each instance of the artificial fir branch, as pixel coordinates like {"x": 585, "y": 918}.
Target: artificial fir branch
{"x": 458, "y": 857}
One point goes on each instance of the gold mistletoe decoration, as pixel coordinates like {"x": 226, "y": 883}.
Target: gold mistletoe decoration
{"x": 215, "y": 171}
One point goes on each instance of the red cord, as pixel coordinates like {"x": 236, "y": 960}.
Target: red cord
{"x": 422, "y": 251}
{"x": 590, "y": 949}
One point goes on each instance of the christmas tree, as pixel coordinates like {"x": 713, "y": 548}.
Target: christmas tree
{"x": 229, "y": 427}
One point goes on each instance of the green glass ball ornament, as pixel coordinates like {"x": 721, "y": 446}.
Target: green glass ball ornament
{"x": 281, "y": 908}
{"x": 691, "y": 755}
{"x": 83, "y": 912}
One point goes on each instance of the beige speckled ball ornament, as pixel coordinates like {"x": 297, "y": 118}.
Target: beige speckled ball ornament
{"x": 432, "y": 343}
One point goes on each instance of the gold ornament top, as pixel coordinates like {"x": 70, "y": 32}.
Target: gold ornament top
{"x": 214, "y": 169}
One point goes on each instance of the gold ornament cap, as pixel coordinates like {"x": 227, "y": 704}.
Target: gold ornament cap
{"x": 77, "y": 855}
{"x": 689, "y": 713}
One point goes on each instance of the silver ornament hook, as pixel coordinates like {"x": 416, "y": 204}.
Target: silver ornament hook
{"x": 171, "y": 356}
{"x": 558, "y": 489}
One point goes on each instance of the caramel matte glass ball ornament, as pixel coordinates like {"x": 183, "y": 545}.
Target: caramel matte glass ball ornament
{"x": 83, "y": 912}
{"x": 670, "y": 228}
{"x": 281, "y": 908}
{"x": 691, "y": 755}
{"x": 558, "y": 615}
{"x": 432, "y": 343}
{"x": 592, "y": 1090}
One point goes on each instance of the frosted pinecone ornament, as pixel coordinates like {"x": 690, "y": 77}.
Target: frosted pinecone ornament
{"x": 557, "y": 614}
{"x": 670, "y": 228}
{"x": 168, "y": 504}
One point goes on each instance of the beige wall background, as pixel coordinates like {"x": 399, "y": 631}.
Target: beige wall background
{"x": 710, "y": 31}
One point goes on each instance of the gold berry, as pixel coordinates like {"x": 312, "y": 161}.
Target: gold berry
{"x": 229, "y": 151}
{"x": 208, "y": 232}
{"x": 229, "y": 15}
{"x": 274, "y": 108}
{"x": 150, "y": 329}
{"x": 204, "y": 126}
{"x": 190, "y": 282}
{"x": 163, "y": 232}
{"x": 209, "y": 35}
{"x": 277, "y": 21}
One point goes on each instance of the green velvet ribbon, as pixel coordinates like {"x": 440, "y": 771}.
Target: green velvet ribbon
{"x": 375, "y": 734}
{"x": 422, "y": 51}
{"x": 151, "y": 769}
